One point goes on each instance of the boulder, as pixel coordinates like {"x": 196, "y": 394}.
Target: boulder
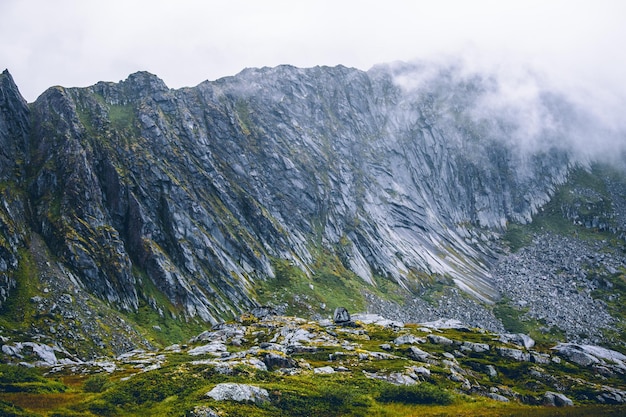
{"x": 276, "y": 361}
{"x": 519, "y": 339}
{"x": 540, "y": 358}
{"x": 421, "y": 371}
{"x": 324, "y": 370}
{"x": 490, "y": 370}
{"x": 408, "y": 339}
{"x": 556, "y": 399}
{"x": 516, "y": 354}
{"x": 439, "y": 340}
{"x": 418, "y": 354}
{"x": 20, "y": 350}
{"x": 213, "y": 348}
{"x": 341, "y": 316}
{"x": 395, "y": 378}
{"x": 475, "y": 347}
{"x": 586, "y": 355}
{"x": 497, "y": 397}
{"x": 611, "y": 396}
{"x": 239, "y": 392}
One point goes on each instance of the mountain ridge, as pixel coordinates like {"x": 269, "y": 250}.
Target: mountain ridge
{"x": 202, "y": 202}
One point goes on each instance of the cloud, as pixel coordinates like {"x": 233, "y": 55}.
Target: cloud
{"x": 526, "y": 108}
{"x": 77, "y": 43}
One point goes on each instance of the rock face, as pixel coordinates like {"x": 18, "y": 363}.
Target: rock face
{"x": 187, "y": 200}
{"x": 14, "y": 133}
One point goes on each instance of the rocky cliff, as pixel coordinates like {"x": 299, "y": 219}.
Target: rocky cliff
{"x": 200, "y": 203}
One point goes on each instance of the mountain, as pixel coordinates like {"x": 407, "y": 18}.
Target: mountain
{"x": 132, "y": 214}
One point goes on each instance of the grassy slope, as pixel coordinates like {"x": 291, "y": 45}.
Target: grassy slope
{"x": 179, "y": 385}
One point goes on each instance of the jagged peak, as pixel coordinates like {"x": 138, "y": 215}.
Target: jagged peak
{"x": 8, "y": 89}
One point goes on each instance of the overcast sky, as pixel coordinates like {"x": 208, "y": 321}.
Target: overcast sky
{"x": 79, "y": 42}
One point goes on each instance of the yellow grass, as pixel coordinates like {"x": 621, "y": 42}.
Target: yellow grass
{"x": 40, "y": 402}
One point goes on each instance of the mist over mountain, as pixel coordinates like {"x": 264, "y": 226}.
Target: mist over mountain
{"x": 304, "y": 189}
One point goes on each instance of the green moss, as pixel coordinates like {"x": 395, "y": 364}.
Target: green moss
{"x": 97, "y": 383}
{"x": 11, "y": 410}
{"x": 424, "y": 393}
{"x": 122, "y": 116}
{"x": 510, "y": 317}
{"x": 27, "y": 380}
{"x": 17, "y": 312}
{"x": 571, "y": 196}
{"x": 328, "y": 286}
{"x": 517, "y": 236}
{"x": 243, "y": 116}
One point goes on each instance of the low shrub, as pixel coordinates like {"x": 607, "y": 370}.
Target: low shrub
{"x": 330, "y": 400}
{"x": 424, "y": 393}
{"x": 10, "y": 410}
{"x": 96, "y": 383}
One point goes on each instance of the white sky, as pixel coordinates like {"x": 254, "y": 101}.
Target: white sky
{"x": 79, "y": 42}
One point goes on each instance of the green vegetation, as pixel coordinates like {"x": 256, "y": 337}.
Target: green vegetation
{"x": 584, "y": 195}
{"x": 179, "y": 385}
{"x": 329, "y": 285}
{"x": 415, "y": 394}
{"x": 27, "y": 380}
{"x": 97, "y": 383}
{"x": 122, "y": 116}
{"x": 17, "y": 311}
{"x": 243, "y": 116}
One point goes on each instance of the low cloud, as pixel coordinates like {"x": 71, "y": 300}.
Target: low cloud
{"x": 531, "y": 110}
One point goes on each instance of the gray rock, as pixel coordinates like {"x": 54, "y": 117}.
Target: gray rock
{"x": 576, "y": 353}
{"x": 276, "y": 361}
{"x": 377, "y": 319}
{"x": 439, "y": 340}
{"x": 418, "y": 354}
{"x": 45, "y": 353}
{"x": 587, "y": 355}
{"x": 445, "y": 324}
{"x": 515, "y": 354}
{"x": 497, "y": 397}
{"x": 611, "y": 396}
{"x": 540, "y": 358}
{"x": 420, "y": 370}
{"x": 491, "y": 372}
{"x": 341, "y": 315}
{"x": 475, "y": 347}
{"x": 203, "y": 411}
{"x": 324, "y": 370}
{"x": 408, "y": 339}
{"x": 213, "y": 348}
{"x": 518, "y": 339}
{"x": 556, "y": 399}
{"x": 239, "y": 392}
{"x": 395, "y": 378}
